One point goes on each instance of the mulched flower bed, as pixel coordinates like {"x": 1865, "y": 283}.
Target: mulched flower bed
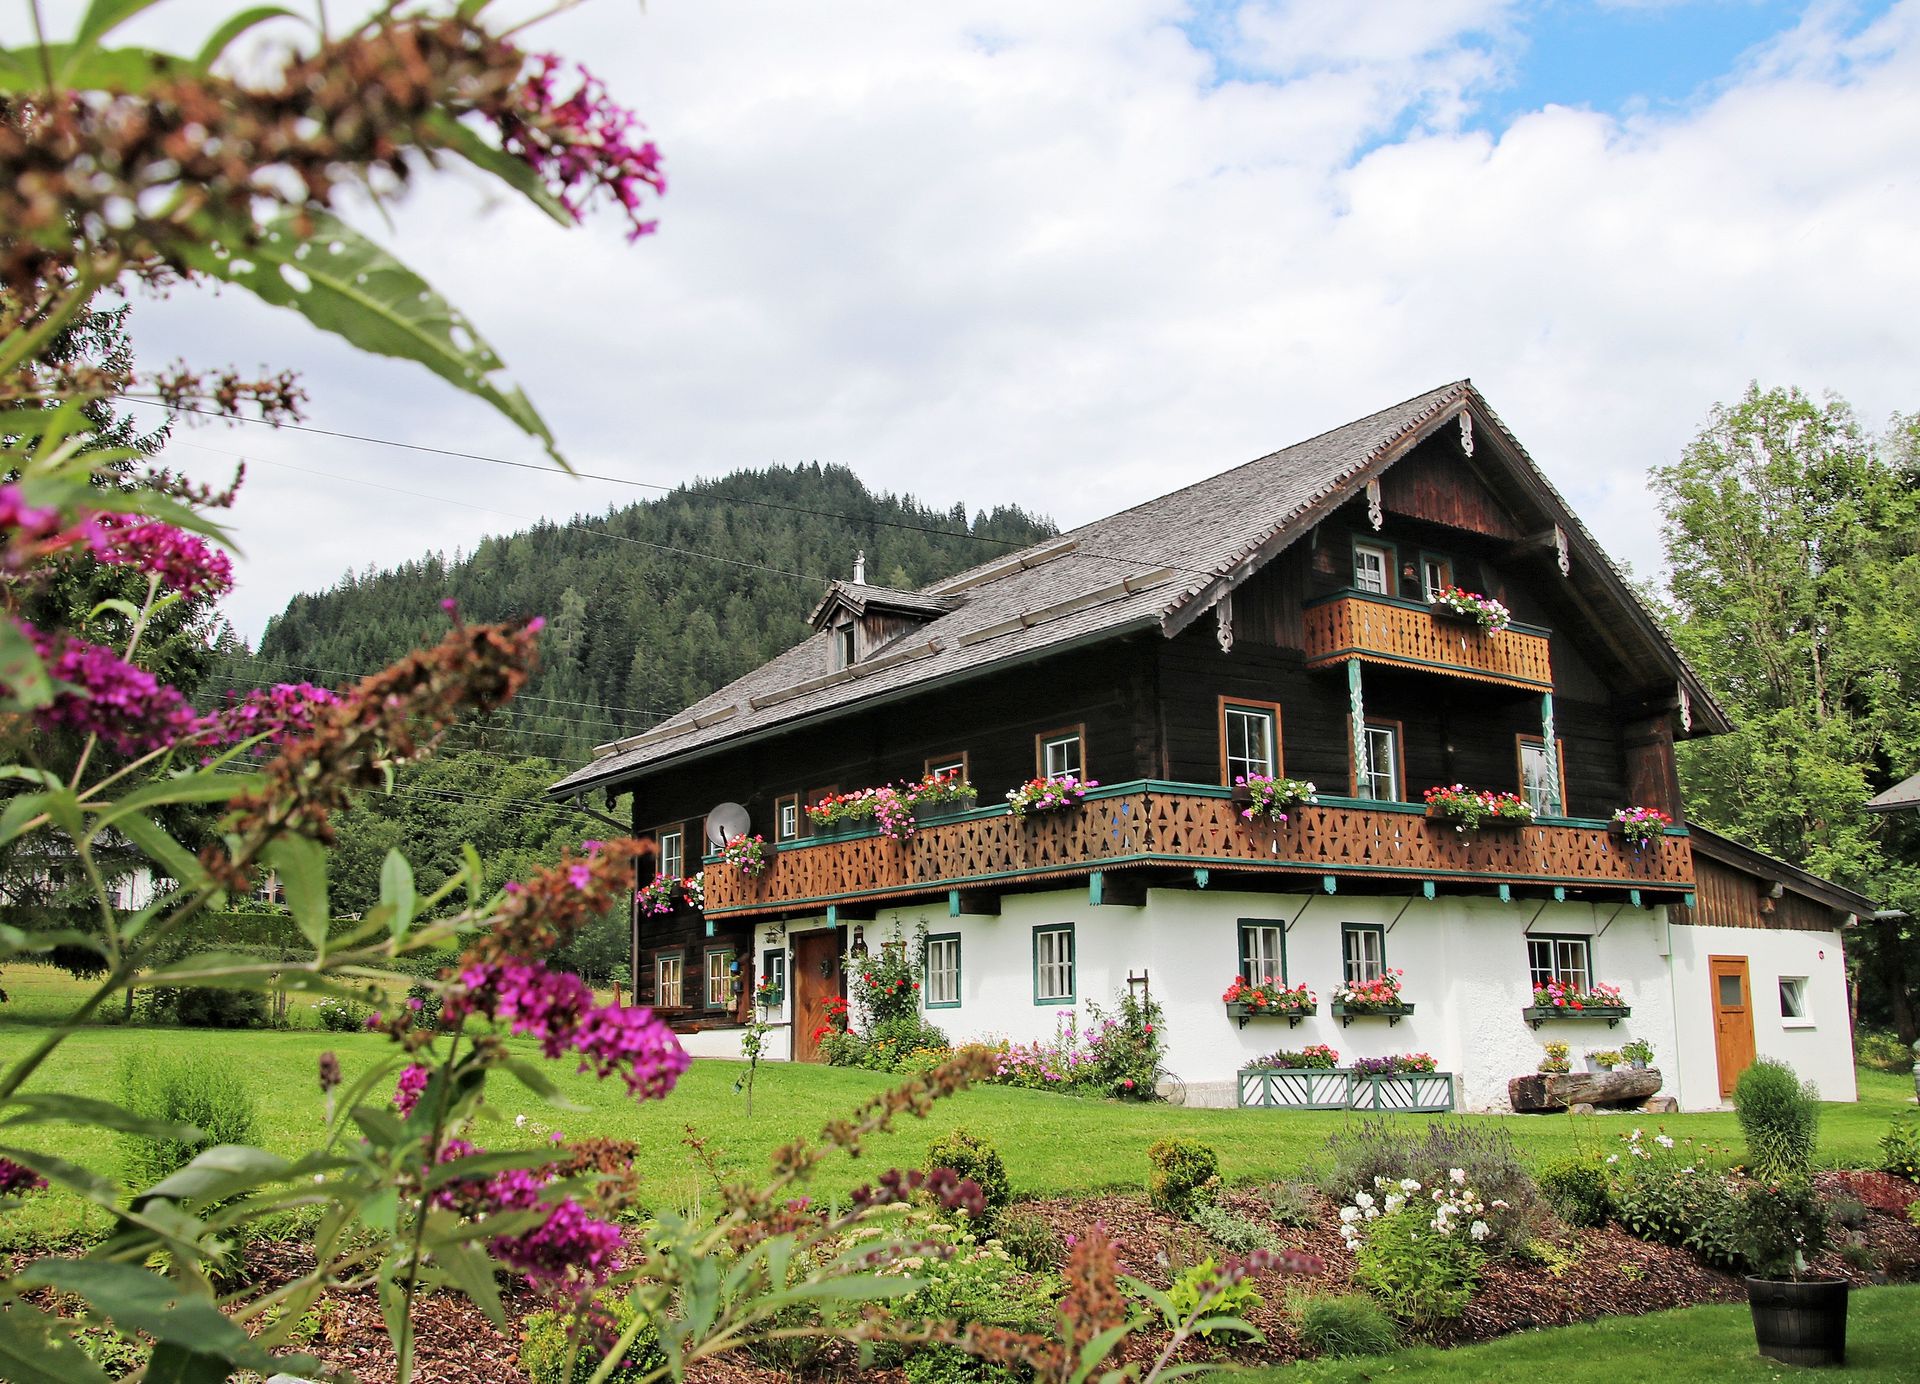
{"x": 1594, "y": 1273}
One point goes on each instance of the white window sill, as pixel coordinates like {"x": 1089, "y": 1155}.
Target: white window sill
{"x": 1798, "y": 1023}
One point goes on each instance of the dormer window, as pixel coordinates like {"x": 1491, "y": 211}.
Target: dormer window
{"x": 843, "y": 655}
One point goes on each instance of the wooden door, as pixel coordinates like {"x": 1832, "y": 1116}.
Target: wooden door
{"x": 815, "y": 981}
{"x": 1732, "y": 1017}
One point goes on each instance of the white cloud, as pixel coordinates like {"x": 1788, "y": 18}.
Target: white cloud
{"x": 1058, "y": 255}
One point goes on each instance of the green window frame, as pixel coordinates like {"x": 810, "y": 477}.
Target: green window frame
{"x": 708, "y": 974}
{"x": 1061, "y": 963}
{"x": 1554, "y": 969}
{"x": 1254, "y": 949}
{"x": 773, "y": 967}
{"x": 937, "y": 942}
{"x": 1354, "y": 959}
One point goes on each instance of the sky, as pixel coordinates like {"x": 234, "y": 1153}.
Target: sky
{"x": 1073, "y": 255}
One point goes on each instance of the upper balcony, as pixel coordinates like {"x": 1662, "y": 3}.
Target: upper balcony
{"x": 1132, "y": 833}
{"x": 1407, "y": 634}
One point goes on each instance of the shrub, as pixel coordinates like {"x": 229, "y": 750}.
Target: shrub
{"x": 547, "y": 1354}
{"x": 1884, "y": 1052}
{"x": 204, "y": 1007}
{"x": 951, "y": 1365}
{"x": 1900, "y": 1149}
{"x": 1232, "y": 1231}
{"x": 195, "y": 1090}
{"x": 1849, "y": 1212}
{"x": 839, "y": 1049}
{"x": 1657, "y": 1197}
{"x": 341, "y": 1016}
{"x": 905, "y": 1033}
{"x": 969, "y": 1155}
{"x": 1126, "y": 1047}
{"x": 1342, "y": 1324}
{"x": 1780, "y": 1117}
{"x": 1028, "y": 1236}
{"x": 1378, "y": 1148}
{"x": 1417, "y": 1252}
{"x": 1779, "y": 1226}
{"x": 1182, "y": 1174}
{"x": 1576, "y": 1189}
{"x": 982, "y": 1285}
{"x": 1292, "y": 1204}
{"x": 1913, "y": 1211}
{"x": 1201, "y": 1285}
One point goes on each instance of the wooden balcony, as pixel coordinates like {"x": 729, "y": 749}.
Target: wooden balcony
{"x": 1406, "y": 634}
{"x": 1193, "y": 833}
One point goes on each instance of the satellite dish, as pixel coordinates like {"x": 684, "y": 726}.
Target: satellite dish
{"x": 725, "y": 822}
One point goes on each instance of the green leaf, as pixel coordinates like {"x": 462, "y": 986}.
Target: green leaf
{"x": 103, "y": 17}
{"x": 217, "y": 1173}
{"x": 33, "y": 1350}
{"x": 22, "y": 674}
{"x": 396, "y": 890}
{"x": 114, "y": 603}
{"x": 19, "y": 812}
{"x": 56, "y": 1169}
{"x": 515, "y": 172}
{"x": 46, "y": 1107}
{"x": 381, "y": 1211}
{"x": 157, "y": 844}
{"x": 172, "y": 1364}
{"x": 223, "y": 37}
{"x": 476, "y": 874}
{"x": 301, "y": 865}
{"x": 343, "y": 283}
{"x": 471, "y": 1272}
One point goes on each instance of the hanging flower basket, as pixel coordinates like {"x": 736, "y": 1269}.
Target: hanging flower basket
{"x": 1640, "y": 824}
{"x": 1270, "y": 799}
{"x": 747, "y": 854}
{"x": 1453, "y": 603}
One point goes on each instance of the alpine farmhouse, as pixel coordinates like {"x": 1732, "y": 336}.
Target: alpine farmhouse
{"x": 1278, "y": 620}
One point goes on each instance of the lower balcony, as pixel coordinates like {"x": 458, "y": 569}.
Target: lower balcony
{"x": 1194, "y": 834}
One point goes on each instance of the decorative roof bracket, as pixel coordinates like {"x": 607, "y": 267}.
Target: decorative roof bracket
{"x": 1374, "y": 514}
{"x": 1466, "y": 432}
{"x": 1223, "y": 615}
{"x": 1562, "y": 557}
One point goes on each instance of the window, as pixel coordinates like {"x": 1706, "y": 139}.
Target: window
{"x": 1379, "y": 776}
{"x": 1568, "y": 960}
{"x": 1793, "y": 1002}
{"x": 1436, "y": 575}
{"x": 1372, "y": 568}
{"x": 773, "y": 968}
{"x": 666, "y": 980}
{"x": 1263, "y": 952}
{"x": 1363, "y": 951}
{"x": 673, "y": 852}
{"x": 1053, "y": 964}
{"x": 1061, "y": 753}
{"x": 942, "y": 984}
{"x": 1546, "y": 791}
{"x": 815, "y": 795}
{"x": 843, "y": 646}
{"x": 720, "y": 972}
{"x": 786, "y": 817}
{"x": 954, "y": 764}
{"x": 1249, "y": 739}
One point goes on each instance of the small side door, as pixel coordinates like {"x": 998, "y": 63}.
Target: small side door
{"x": 1732, "y": 1018}
{"x": 815, "y": 982}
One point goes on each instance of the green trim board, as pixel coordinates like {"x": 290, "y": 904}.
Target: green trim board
{"x": 1073, "y": 964}
{"x": 926, "y": 978}
{"x": 1354, "y": 654}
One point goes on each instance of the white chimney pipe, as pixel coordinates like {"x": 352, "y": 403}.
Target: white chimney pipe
{"x": 860, "y": 568}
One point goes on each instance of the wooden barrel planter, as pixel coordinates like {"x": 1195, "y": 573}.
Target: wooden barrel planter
{"x": 1800, "y": 1322}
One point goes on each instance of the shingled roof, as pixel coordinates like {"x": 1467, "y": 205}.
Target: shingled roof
{"x": 1161, "y": 563}
{"x": 1901, "y": 797}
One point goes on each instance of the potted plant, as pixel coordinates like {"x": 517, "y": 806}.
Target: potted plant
{"x": 1381, "y": 995}
{"x": 1270, "y": 999}
{"x": 1315, "y": 1057}
{"x": 1556, "y": 1061}
{"x": 1558, "y": 1000}
{"x": 768, "y": 995}
{"x": 941, "y": 795}
{"x": 747, "y": 854}
{"x": 1048, "y": 795}
{"x": 1639, "y": 1054}
{"x": 1640, "y": 824}
{"x": 1602, "y": 1059}
{"x": 1798, "y": 1317}
{"x": 1272, "y": 798}
{"x": 1453, "y": 603}
{"x": 1469, "y": 809}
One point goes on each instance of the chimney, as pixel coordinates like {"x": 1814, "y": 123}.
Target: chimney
{"x": 860, "y": 568}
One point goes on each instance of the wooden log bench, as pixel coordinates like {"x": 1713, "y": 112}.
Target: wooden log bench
{"x": 1538, "y": 1092}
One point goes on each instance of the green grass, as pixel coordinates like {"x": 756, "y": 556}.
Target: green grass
{"x": 1051, "y": 1143}
{"x": 1696, "y": 1344}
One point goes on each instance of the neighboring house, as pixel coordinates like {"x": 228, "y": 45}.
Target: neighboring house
{"x": 1902, "y": 797}
{"x": 1275, "y": 619}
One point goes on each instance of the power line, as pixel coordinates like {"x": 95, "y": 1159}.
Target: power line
{"x": 519, "y": 697}
{"x": 643, "y": 485}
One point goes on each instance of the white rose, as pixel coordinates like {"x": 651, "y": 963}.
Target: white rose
{"x": 1349, "y": 1214}
{"x": 1479, "y": 1230}
{"x": 1394, "y": 1202}
{"x": 1407, "y": 1184}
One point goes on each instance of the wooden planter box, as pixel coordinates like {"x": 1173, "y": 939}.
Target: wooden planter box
{"x": 1392, "y": 1013}
{"x": 1612, "y": 1013}
{"x": 1302, "y": 1088}
{"x": 1486, "y": 824}
{"x": 1242, "y": 1011}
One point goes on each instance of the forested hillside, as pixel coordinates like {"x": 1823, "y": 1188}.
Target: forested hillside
{"x": 649, "y": 606}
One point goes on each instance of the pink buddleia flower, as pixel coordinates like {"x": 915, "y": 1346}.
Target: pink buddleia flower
{"x": 412, "y": 1084}
{"x": 571, "y": 1248}
{"x": 15, "y": 1179}
{"x": 122, "y": 703}
{"x": 283, "y": 712}
{"x": 583, "y": 146}
{"x": 182, "y": 561}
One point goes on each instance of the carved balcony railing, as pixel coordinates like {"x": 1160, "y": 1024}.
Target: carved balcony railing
{"x": 1339, "y": 843}
{"x": 1406, "y": 634}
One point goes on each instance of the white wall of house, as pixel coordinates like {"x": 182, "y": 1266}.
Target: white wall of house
{"x": 1819, "y": 1046}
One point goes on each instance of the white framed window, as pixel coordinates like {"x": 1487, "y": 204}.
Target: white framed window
{"x": 1540, "y": 781}
{"x": 1062, "y": 754}
{"x": 1053, "y": 978}
{"x": 786, "y": 818}
{"x": 673, "y": 853}
{"x": 1568, "y": 960}
{"x": 1263, "y": 952}
{"x": 941, "y": 988}
{"x": 1379, "y": 776}
{"x": 1250, "y": 739}
{"x": 1363, "y": 950}
{"x": 719, "y": 979}
{"x": 949, "y": 766}
{"x": 666, "y": 980}
{"x": 1372, "y": 569}
{"x": 1436, "y": 575}
{"x": 1794, "y": 1012}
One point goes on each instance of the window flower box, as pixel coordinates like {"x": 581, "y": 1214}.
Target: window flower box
{"x": 1381, "y": 995}
{"x": 1346, "y": 1013}
{"x": 1043, "y": 795}
{"x": 1612, "y": 1013}
{"x": 1470, "y": 607}
{"x": 1469, "y": 809}
{"x": 1269, "y": 1000}
{"x": 1639, "y": 824}
{"x": 747, "y": 854}
{"x": 1265, "y": 798}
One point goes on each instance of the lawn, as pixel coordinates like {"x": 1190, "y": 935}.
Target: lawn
{"x": 1698, "y": 1344}
{"x": 1051, "y": 1143}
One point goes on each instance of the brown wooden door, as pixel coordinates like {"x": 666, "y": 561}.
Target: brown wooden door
{"x": 813, "y": 953}
{"x": 1732, "y": 1017}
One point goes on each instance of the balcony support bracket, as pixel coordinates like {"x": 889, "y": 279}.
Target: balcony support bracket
{"x": 1396, "y": 921}
{"x": 1108, "y": 890}
{"x": 973, "y": 903}
{"x": 1330, "y": 884}
{"x": 1426, "y": 888}
{"x": 1200, "y": 878}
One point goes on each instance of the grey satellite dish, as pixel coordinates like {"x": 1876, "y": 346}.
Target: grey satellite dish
{"x": 725, "y": 822}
